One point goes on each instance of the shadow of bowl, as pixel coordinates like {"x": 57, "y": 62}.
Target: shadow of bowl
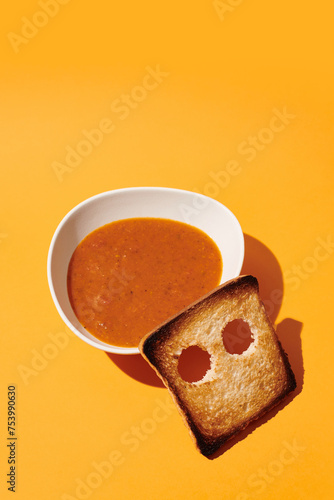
{"x": 262, "y": 263}
{"x": 136, "y": 367}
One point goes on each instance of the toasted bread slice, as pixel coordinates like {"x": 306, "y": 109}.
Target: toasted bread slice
{"x": 237, "y": 388}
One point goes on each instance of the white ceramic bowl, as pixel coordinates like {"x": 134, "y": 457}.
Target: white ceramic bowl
{"x": 185, "y": 206}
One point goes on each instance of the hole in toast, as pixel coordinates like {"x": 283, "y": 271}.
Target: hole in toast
{"x": 193, "y": 364}
{"x": 237, "y": 336}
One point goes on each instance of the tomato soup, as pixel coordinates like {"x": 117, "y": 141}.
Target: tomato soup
{"x": 127, "y": 277}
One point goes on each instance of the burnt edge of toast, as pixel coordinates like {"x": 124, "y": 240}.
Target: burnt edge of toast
{"x": 207, "y": 446}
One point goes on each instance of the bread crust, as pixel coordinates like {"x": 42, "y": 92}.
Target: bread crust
{"x": 238, "y": 388}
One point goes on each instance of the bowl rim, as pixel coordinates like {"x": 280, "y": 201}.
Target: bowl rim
{"x": 98, "y": 343}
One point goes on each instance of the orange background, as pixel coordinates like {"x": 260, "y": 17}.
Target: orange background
{"x": 96, "y": 426}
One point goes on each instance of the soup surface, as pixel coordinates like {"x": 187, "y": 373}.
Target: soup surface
{"x": 127, "y": 277}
